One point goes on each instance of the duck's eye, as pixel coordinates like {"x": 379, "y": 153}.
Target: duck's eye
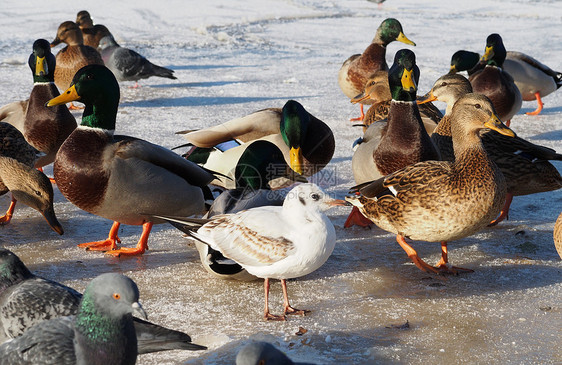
{"x": 444, "y": 83}
{"x": 116, "y": 296}
{"x": 89, "y": 77}
{"x": 315, "y": 196}
{"x": 38, "y": 193}
{"x": 477, "y": 106}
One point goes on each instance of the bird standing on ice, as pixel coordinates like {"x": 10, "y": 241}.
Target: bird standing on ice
{"x": 273, "y": 242}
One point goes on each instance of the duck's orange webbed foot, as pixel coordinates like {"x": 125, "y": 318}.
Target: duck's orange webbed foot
{"x": 539, "y": 105}
{"x": 142, "y": 245}
{"x": 110, "y": 243}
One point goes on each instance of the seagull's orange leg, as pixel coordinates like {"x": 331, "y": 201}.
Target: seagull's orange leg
{"x": 6, "y": 218}
{"x": 413, "y": 255}
{"x": 266, "y": 315}
{"x": 504, "y": 214}
{"x": 539, "y": 105}
{"x": 108, "y": 244}
{"x": 357, "y": 218}
{"x": 287, "y": 309}
{"x": 361, "y": 117}
{"x": 443, "y": 264}
{"x": 142, "y": 245}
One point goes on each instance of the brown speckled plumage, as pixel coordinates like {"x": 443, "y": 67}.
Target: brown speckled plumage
{"x": 14, "y": 145}
{"x": 74, "y": 56}
{"x": 525, "y": 165}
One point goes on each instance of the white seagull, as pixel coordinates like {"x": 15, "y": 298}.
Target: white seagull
{"x": 272, "y": 242}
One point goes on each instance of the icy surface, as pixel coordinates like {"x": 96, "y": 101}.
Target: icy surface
{"x": 233, "y": 57}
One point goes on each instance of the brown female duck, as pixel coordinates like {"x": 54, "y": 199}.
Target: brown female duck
{"x": 525, "y": 165}
{"x": 90, "y": 32}
{"x": 441, "y": 200}
{"x": 74, "y": 56}
{"x": 355, "y": 71}
{"x": 18, "y": 175}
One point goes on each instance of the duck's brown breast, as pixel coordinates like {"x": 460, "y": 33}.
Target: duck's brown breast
{"x": 79, "y": 169}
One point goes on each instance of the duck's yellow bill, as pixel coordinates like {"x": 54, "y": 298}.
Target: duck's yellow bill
{"x": 408, "y": 82}
{"x": 40, "y": 66}
{"x": 487, "y": 54}
{"x": 494, "y": 123}
{"x": 296, "y": 159}
{"x": 402, "y": 38}
{"x": 426, "y": 98}
{"x": 66, "y": 97}
{"x": 453, "y": 69}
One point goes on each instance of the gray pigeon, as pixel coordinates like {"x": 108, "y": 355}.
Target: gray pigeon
{"x": 257, "y": 353}
{"x": 102, "y": 332}
{"x": 26, "y": 299}
{"x": 128, "y": 65}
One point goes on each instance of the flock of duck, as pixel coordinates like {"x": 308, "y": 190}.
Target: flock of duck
{"x": 420, "y": 175}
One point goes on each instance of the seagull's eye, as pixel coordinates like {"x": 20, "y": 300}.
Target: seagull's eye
{"x": 116, "y": 296}
{"x": 315, "y": 196}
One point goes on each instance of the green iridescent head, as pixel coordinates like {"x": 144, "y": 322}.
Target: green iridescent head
{"x": 390, "y": 30}
{"x": 403, "y": 76}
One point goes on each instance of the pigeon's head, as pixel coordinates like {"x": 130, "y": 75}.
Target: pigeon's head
{"x": 12, "y": 270}
{"x": 115, "y": 295}
{"x": 261, "y": 353}
{"x": 310, "y": 197}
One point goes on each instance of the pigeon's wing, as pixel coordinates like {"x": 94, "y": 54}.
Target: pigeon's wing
{"x": 49, "y": 342}
{"x": 154, "y": 338}
{"x": 33, "y": 301}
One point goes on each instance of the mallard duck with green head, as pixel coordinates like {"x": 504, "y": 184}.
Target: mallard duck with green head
{"x": 441, "y": 200}
{"x": 19, "y": 176}
{"x": 356, "y": 70}
{"x": 307, "y": 143}
{"x": 403, "y": 139}
{"x": 534, "y": 79}
{"x": 525, "y": 165}
{"x": 488, "y": 78}
{"x": 43, "y": 128}
{"x": 121, "y": 178}
{"x": 378, "y": 91}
